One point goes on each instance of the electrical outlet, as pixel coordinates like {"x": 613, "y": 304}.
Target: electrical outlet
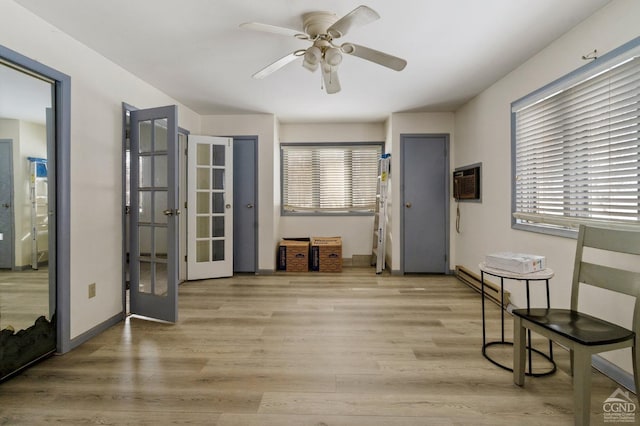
{"x": 92, "y": 290}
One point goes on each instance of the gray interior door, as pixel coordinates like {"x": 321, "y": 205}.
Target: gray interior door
{"x": 6, "y": 204}
{"x": 154, "y": 213}
{"x": 245, "y": 215}
{"x": 424, "y": 193}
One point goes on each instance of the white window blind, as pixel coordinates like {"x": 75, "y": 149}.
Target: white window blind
{"x": 577, "y": 151}
{"x": 330, "y": 178}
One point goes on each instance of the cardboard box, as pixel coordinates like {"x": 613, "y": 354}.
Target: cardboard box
{"x": 293, "y": 255}
{"x": 326, "y": 254}
{"x": 516, "y": 262}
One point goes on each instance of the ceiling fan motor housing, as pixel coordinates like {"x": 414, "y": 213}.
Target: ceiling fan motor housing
{"x": 317, "y": 23}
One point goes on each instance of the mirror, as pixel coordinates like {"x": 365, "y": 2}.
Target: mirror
{"x": 27, "y": 284}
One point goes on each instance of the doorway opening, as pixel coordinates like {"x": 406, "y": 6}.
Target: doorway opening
{"x": 34, "y": 212}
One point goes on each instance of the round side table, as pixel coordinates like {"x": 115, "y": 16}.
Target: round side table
{"x": 543, "y": 275}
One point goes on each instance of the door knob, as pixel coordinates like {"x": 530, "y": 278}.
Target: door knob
{"x": 6, "y": 205}
{"x": 249, "y": 206}
{"x": 227, "y": 206}
{"x": 408, "y": 205}
{"x": 168, "y": 212}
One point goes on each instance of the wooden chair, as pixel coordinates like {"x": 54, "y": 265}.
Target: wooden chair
{"x": 584, "y": 334}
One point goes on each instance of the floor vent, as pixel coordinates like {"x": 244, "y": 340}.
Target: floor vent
{"x": 491, "y": 290}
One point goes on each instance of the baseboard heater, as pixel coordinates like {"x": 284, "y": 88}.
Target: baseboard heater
{"x": 491, "y": 290}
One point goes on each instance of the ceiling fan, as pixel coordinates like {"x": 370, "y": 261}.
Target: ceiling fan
{"x": 322, "y": 29}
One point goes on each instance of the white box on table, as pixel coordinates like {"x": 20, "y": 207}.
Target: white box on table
{"x": 516, "y": 262}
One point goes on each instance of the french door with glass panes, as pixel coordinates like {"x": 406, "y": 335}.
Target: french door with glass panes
{"x": 153, "y": 213}
{"x": 209, "y": 207}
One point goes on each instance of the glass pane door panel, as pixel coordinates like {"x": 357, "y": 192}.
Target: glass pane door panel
{"x": 202, "y": 227}
{"x": 218, "y": 202}
{"x": 161, "y": 280}
{"x": 160, "y": 127}
{"x": 146, "y": 171}
{"x": 218, "y": 179}
{"x": 218, "y": 155}
{"x": 217, "y": 226}
{"x": 144, "y": 283}
{"x": 217, "y": 247}
{"x": 160, "y": 170}
{"x": 144, "y": 206}
{"x": 159, "y": 206}
{"x": 160, "y": 243}
{"x": 145, "y": 137}
{"x": 203, "y": 178}
{"x": 145, "y": 241}
{"x": 202, "y": 155}
{"x": 202, "y": 203}
{"x": 202, "y": 251}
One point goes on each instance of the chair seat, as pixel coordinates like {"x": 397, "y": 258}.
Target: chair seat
{"x": 579, "y": 327}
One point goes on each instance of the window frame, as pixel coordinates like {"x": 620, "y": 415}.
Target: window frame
{"x": 625, "y": 52}
{"x": 320, "y": 211}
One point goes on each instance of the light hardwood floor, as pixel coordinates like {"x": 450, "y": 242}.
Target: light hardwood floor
{"x": 24, "y": 296}
{"x": 303, "y": 349}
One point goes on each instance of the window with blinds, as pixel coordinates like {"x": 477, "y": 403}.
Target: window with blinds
{"x": 577, "y": 148}
{"x": 329, "y": 178}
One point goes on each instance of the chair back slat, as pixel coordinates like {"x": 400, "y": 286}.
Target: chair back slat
{"x": 621, "y": 241}
{"x": 614, "y": 279}
{"x": 607, "y": 277}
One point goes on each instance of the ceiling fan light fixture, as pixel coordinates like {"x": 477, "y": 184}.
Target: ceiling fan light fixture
{"x": 333, "y": 56}
{"x": 313, "y": 55}
{"x": 310, "y": 66}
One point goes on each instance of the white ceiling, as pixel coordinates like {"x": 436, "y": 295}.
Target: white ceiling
{"x": 195, "y": 51}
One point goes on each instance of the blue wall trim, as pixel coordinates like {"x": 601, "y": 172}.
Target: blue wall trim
{"x": 614, "y": 372}
{"x": 95, "y": 331}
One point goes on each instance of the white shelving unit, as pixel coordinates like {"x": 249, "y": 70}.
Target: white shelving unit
{"x": 380, "y": 221}
{"x": 38, "y": 196}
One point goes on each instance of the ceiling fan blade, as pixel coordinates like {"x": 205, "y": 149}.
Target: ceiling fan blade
{"x": 256, "y": 26}
{"x": 359, "y": 16}
{"x": 331, "y": 80}
{"x": 376, "y": 56}
{"x": 271, "y": 68}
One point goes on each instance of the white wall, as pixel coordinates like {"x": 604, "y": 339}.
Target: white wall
{"x": 98, "y": 87}
{"x": 405, "y": 124}
{"x": 263, "y": 126}
{"x": 356, "y": 231}
{"x": 483, "y": 135}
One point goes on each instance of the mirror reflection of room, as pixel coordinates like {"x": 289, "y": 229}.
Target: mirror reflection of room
{"x": 27, "y": 290}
